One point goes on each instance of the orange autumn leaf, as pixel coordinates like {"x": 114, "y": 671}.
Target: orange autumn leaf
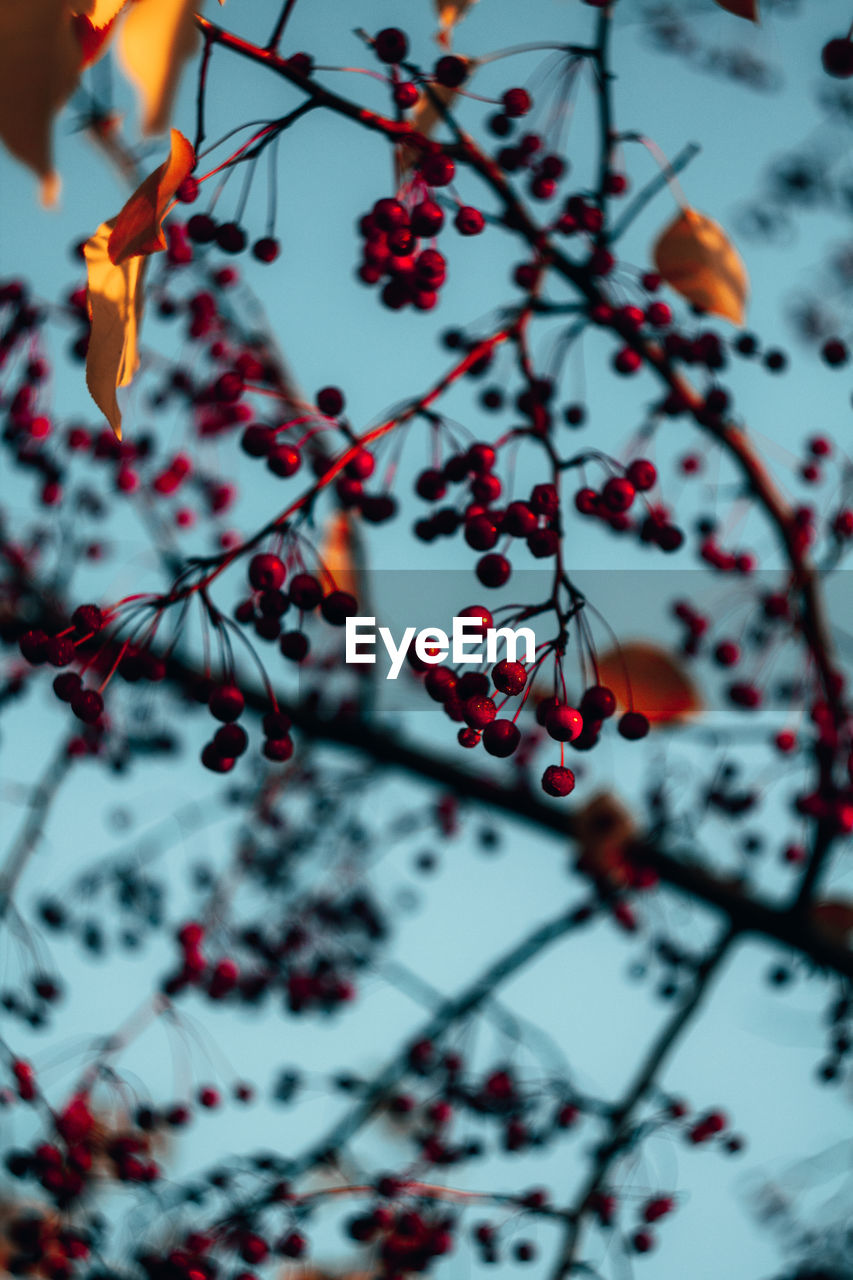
{"x": 94, "y": 23}
{"x": 695, "y": 256}
{"x": 601, "y": 831}
{"x": 40, "y": 62}
{"x": 741, "y": 8}
{"x": 337, "y": 552}
{"x": 138, "y": 227}
{"x": 154, "y": 42}
{"x": 426, "y": 114}
{"x": 100, "y": 12}
{"x": 659, "y": 685}
{"x": 93, "y": 40}
{"x": 449, "y": 13}
{"x": 115, "y": 300}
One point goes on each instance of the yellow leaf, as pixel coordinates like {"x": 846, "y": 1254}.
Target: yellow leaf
{"x": 40, "y": 61}
{"x": 156, "y": 38}
{"x": 100, "y": 12}
{"x": 94, "y": 23}
{"x": 449, "y": 13}
{"x": 741, "y": 8}
{"x": 426, "y": 115}
{"x": 659, "y": 685}
{"x": 695, "y": 256}
{"x": 115, "y": 300}
{"x": 138, "y": 227}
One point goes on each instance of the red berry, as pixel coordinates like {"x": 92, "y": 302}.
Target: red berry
{"x": 633, "y": 725}
{"x": 597, "y": 703}
{"x": 469, "y": 221}
{"x": 305, "y": 591}
{"x": 451, "y": 71}
{"x": 493, "y": 570}
{"x": 437, "y": 170}
{"x": 266, "y": 249}
{"x": 294, "y": 645}
{"x": 226, "y": 702}
{"x": 87, "y": 705}
{"x": 557, "y": 781}
{"x": 337, "y": 606}
{"x": 391, "y": 45}
{"x": 618, "y": 494}
{"x": 479, "y": 712}
{"x": 837, "y": 57}
{"x": 516, "y": 102}
{"x": 563, "y": 723}
{"x": 509, "y": 677}
{"x": 266, "y": 572}
{"x": 284, "y": 460}
{"x": 330, "y": 401}
{"x": 501, "y": 737}
{"x": 405, "y": 94}
{"x": 642, "y": 474}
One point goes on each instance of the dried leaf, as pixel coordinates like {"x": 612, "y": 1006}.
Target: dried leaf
{"x": 425, "y": 116}
{"x": 40, "y": 61}
{"x": 660, "y": 685}
{"x": 155, "y": 39}
{"x": 695, "y": 256}
{"x": 741, "y": 8}
{"x": 94, "y": 24}
{"x": 602, "y": 830}
{"x": 449, "y": 13}
{"x": 115, "y": 299}
{"x": 100, "y": 12}
{"x": 138, "y": 227}
{"x": 338, "y": 552}
{"x": 834, "y": 916}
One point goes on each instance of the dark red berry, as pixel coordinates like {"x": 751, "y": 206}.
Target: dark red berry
{"x": 469, "y": 221}
{"x": 837, "y": 57}
{"x": 563, "y": 722}
{"x": 266, "y": 249}
{"x": 597, "y": 703}
{"x": 509, "y": 677}
{"x": 337, "y": 606}
{"x": 87, "y": 705}
{"x": 557, "y": 781}
{"x": 493, "y": 570}
{"x": 451, "y": 71}
{"x": 516, "y": 102}
{"x": 633, "y": 725}
{"x": 266, "y": 572}
{"x": 391, "y": 45}
{"x": 501, "y": 737}
{"x": 226, "y": 702}
{"x": 305, "y": 592}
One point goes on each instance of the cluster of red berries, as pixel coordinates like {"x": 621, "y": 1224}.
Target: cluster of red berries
{"x": 310, "y": 960}
{"x": 83, "y": 1151}
{"x": 403, "y": 1239}
{"x": 497, "y": 1097}
{"x": 61, "y": 651}
{"x": 392, "y": 250}
{"x": 231, "y": 238}
{"x": 544, "y": 168}
{"x": 613, "y": 502}
{"x": 487, "y": 1241}
{"x": 272, "y": 596}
